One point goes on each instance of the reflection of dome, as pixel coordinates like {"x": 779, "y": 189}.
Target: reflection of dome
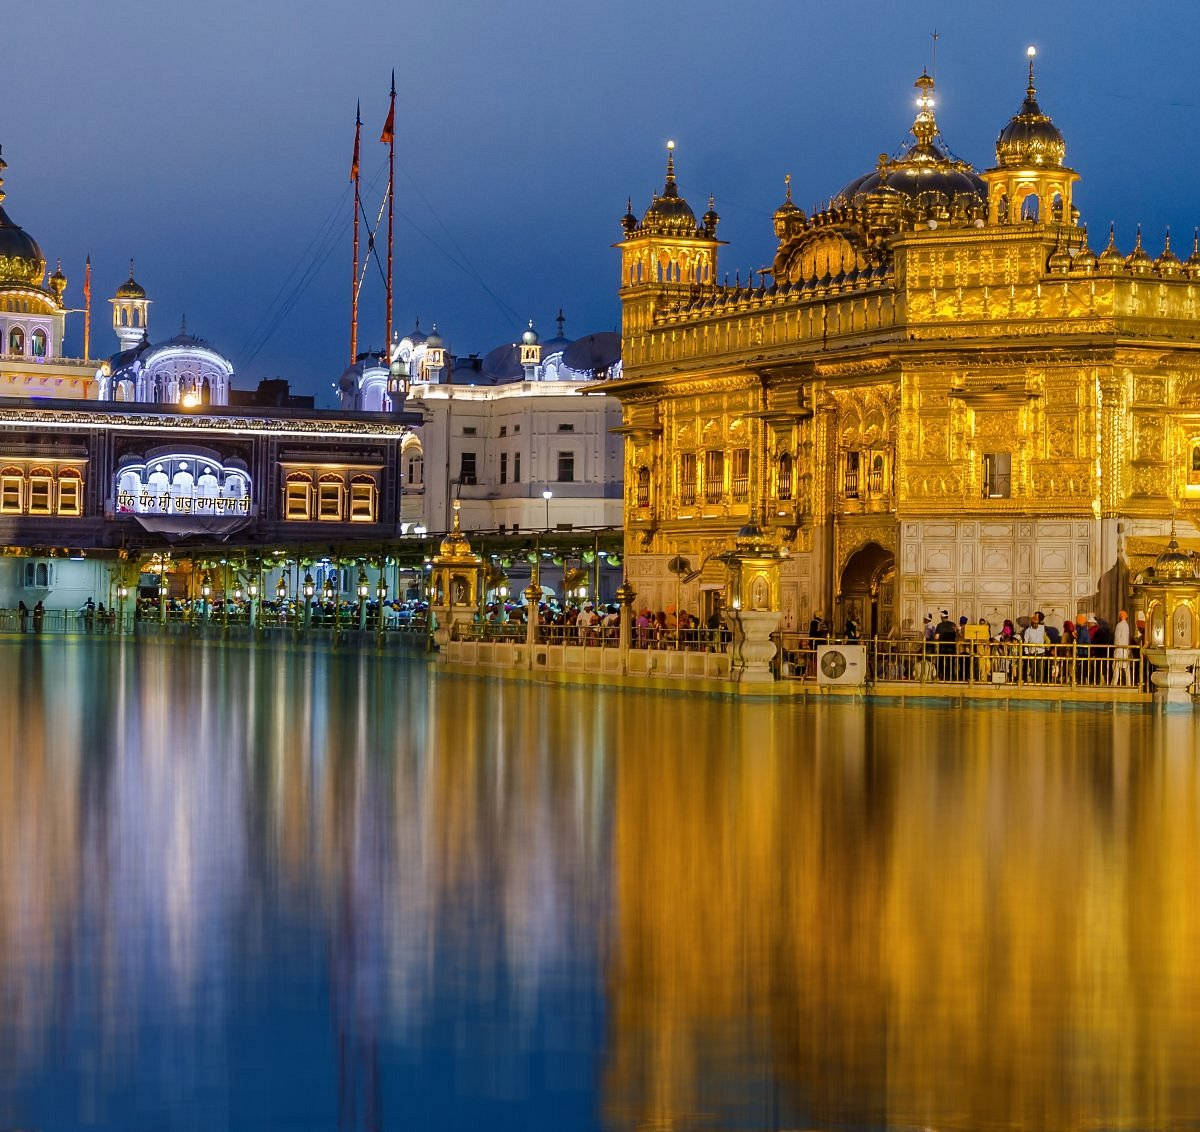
{"x": 21, "y": 260}
{"x": 1030, "y": 138}
{"x": 1173, "y": 564}
{"x": 923, "y": 169}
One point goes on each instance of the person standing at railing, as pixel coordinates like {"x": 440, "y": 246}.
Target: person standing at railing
{"x": 1083, "y": 638}
{"x": 1102, "y": 643}
{"x": 39, "y": 615}
{"x": 22, "y": 614}
{"x": 946, "y": 636}
{"x": 1122, "y": 668}
{"x": 1035, "y": 648}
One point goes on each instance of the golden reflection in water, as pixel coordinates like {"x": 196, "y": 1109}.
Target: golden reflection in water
{"x": 919, "y": 918}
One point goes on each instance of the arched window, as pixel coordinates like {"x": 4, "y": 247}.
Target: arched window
{"x": 783, "y": 476}
{"x": 362, "y": 500}
{"x": 1029, "y": 207}
{"x": 41, "y": 491}
{"x": 37, "y": 343}
{"x": 330, "y": 489}
{"x": 12, "y": 491}
{"x": 875, "y": 477}
{"x": 70, "y": 492}
{"x": 16, "y": 340}
{"x": 643, "y": 487}
{"x": 297, "y": 497}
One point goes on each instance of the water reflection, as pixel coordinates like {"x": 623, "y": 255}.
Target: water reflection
{"x": 273, "y": 888}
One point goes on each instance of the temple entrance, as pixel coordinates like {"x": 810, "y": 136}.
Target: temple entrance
{"x": 868, "y": 591}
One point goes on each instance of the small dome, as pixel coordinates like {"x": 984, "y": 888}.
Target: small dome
{"x": 58, "y": 282}
{"x": 21, "y": 260}
{"x": 669, "y": 214}
{"x": 1193, "y": 261}
{"x": 1139, "y": 260}
{"x": 529, "y": 337}
{"x": 131, "y": 288}
{"x": 1030, "y": 138}
{"x": 1060, "y": 260}
{"x": 1173, "y": 564}
{"x": 711, "y": 218}
{"x": 1111, "y": 259}
{"x": 787, "y": 216}
{"x": 1168, "y": 264}
{"x": 434, "y": 341}
{"x": 1085, "y": 258}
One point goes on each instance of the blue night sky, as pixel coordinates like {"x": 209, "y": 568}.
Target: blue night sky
{"x": 212, "y": 141}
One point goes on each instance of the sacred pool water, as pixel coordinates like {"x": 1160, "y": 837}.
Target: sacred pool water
{"x": 273, "y": 889}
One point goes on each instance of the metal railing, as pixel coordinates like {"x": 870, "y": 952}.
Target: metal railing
{"x": 991, "y": 663}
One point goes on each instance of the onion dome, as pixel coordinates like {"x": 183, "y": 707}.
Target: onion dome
{"x": 21, "y": 260}
{"x": 1060, "y": 260}
{"x": 629, "y": 221}
{"x": 1085, "y": 258}
{"x": 1111, "y": 259}
{"x": 1030, "y": 138}
{"x": 1138, "y": 260}
{"x": 131, "y": 288}
{"x": 1193, "y": 261}
{"x": 58, "y": 282}
{"x": 1168, "y": 263}
{"x": 529, "y": 337}
{"x": 711, "y": 218}
{"x": 925, "y": 168}
{"x": 787, "y": 216}
{"x": 434, "y": 341}
{"x": 669, "y": 214}
{"x": 1173, "y": 564}
{"x": 456, "y": 544}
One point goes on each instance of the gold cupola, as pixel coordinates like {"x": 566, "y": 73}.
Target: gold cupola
{"x": 1111, "y": 260}
{"x": 1168, "y": 263}
{"x": 1192, "y": 263}
{"x": 1139, "y": 260}
{"x": 788, "y": 218}
{"x": 58, "y": 282}
{"x": 21, "y": 260}
{"x": 1030, "y": 182}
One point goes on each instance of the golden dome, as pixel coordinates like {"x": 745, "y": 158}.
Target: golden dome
{"x": 1193, "y": 261}
{"x": 456, "y": 544}
{"x": 21, "y": 260}
{"x": 1085, "y": 258}
{"x": 58, "y": 282}
{"x": 1168, "y": 263}
{"x": 787, "y": 216}
{"x": 1111, "y": 259}
{"x": 1138, "y": 260}
{"x": 1173, "y": 564}
{"x": 1030, "y": 138}
{"x": 1060, "y": 260}
{"x": 669, "y": 214}
{"x": 925, "y": 170}
{"x": 131, "y": 288}
{"x": 711, "y": 218}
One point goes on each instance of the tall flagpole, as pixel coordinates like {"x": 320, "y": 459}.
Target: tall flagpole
{"x": 87, "y": 307}
{"x": 354, "y": 176}
{"x": 389, "y": 136}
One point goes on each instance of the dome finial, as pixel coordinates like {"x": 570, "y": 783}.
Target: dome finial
{"x": 787, "y": 182}
{"x": 131, "y": 267}
{"x": 3, "y": 166}
{"x": 669, "y": 189}
{"x": 560, "y": 321}
{"x": 925, "y": 127}
{"x": 1031, "y": 51}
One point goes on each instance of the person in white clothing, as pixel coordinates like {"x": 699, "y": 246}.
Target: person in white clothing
{"x": 1035, "y": 646}
{"x": 1123, "y": 668}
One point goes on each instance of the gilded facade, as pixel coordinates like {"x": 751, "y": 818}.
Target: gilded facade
{"x": 937, "y": 396}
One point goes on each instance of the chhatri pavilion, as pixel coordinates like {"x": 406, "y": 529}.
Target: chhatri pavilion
{"x": 938, "y": 396}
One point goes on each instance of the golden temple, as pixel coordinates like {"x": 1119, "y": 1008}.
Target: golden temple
{"x": 937, "y": 396}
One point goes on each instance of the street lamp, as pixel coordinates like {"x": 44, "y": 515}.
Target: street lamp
{"x": 122, "y": 594}
{"x": 547, "y": 495}
{"x": 310, "y": 586}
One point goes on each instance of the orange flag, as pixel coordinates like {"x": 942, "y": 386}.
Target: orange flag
{"x": 389, "y": 127}
{"x": 357, "y": 139}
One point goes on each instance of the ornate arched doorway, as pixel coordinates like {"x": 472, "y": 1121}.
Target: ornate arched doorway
{"x": 868, "y": 590}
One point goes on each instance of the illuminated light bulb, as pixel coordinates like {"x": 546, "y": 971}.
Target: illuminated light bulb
{"x": 1031, "y": 51}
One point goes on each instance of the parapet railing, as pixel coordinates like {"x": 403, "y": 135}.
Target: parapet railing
{"x": 992, "y": 663}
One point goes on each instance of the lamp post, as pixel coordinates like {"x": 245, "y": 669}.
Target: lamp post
{"x": 252, "y": 594}
{"x": 281, "y": 595}
{"x": 381, "y": 594}
{"x": 122, "y": 594}
{"x": 310, "y": 588}
{"x": 364, "y": 589}
{"x": 547, "y": 495}
{"x": 206, "y": 591}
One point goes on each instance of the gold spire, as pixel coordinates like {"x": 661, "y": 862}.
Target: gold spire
{"x": 787, "y": 180}
{"x": 670, "y": 189}
{"x": 1031, "y": 90}
{"x": 925, "y": 127}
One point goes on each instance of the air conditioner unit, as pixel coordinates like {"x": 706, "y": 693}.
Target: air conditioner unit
{"x": 841, "y": 664}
